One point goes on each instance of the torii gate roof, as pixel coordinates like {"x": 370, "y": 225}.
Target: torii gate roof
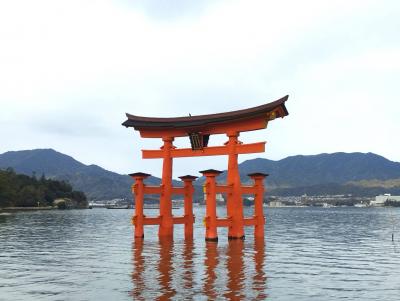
{"x": 241, "y": 120}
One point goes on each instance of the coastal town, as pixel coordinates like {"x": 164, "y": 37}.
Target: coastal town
{"x": 325, "y": 201}
{"x": 328, "y": 201}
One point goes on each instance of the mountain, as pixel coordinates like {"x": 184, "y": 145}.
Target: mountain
{"x": 338, "y": 168}
{"x": 337, "y": 173}
{"x": 96, "y": 182}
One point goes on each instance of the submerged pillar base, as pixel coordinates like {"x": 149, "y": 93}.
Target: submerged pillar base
{"x": 215, "y": 239}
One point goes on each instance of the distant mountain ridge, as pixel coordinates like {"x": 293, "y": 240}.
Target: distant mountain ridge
{"x": 338, "y": 168}
{"x": 96, "y": 182}
{"x": 324, "y": 173}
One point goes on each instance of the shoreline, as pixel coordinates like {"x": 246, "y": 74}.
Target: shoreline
{"x": 27, "y": 208}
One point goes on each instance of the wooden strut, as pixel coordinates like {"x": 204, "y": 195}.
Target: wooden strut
{"x": 139, "y": 189}
{"x": 236, "y": 223}
{"x": 206, "y": 151}
{"x": 211, "y": 221}
{"x": 235, "y": 220}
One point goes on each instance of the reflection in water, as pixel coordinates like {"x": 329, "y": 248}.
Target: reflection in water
{"x": 246, "y": 276}
{"x": 260, "y": 278}
{"x": 165, "y": 269}
{"x": 188, "y": 267}
{"x": 313, "y": 254}
{"x": 234, "y": 271}
{"x": 138, "y": 262}
{"x": 210, "y": 263}
{"x": 235, "y": 266}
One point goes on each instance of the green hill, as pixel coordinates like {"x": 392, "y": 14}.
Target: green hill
{"x": 96, "y": 182}
{"x": 24, "y": 191}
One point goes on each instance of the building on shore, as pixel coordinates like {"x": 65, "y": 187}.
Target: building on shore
{"x": 275, "y": 204}
{"x": 381, "y": 199}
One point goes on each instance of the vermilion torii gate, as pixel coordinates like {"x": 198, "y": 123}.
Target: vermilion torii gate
{"x": 198, "y": 129}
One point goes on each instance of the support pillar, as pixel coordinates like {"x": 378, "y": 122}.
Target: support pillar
{"x": 211, "y": 204}
{"x": 258, "y": 179}
{"x": 188, "y": 204}
{"x": 167, "y": 225}
{"x": 138, "y": 191}
{"x": 234, "y": 200}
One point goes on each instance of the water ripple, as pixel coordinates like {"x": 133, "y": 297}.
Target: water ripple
{"x": 308, "y": 254}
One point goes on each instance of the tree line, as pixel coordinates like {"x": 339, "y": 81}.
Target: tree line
{"x": 17, "y": 190}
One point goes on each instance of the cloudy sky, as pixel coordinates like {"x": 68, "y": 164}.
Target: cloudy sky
{"x": 69, "y": 70}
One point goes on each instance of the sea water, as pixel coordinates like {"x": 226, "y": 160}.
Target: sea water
{"x": 307, "y": 254}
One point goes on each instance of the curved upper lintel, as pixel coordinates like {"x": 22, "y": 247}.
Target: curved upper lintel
{"x": 242, "y": 120}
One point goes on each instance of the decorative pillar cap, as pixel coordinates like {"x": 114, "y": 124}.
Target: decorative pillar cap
{"x": 211, "y": 172}
{"x": 188, "y": 178}
{"x": 258, "y": 174}
{"x": 139, "y": 175}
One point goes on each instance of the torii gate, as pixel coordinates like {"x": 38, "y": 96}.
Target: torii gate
{"x": 198, "y": 129}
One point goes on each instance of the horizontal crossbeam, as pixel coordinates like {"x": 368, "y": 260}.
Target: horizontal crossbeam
{"x": 250, "y": 221}
{"x": 158, "y": 190}
{"x": 249, "y": 189}
{"x": 182, "y": 190}
{"x": 223, "y": 188}
{"x": 249, "y": 148}
{"x": 156, "y": 220}
{"x": 180, "y": 219}
{"x": 224, "y": 222}
{"x": 152, "y": 189}
{"x": 152, "y": 220}
{"x": 178, "y": 190}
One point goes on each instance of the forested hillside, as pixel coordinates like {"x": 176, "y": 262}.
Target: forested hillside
{"x": 24, "y": 191}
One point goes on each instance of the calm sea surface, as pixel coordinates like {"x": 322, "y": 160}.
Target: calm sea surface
{"x": 308, "y": 254}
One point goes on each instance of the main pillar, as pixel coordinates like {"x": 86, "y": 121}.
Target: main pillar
{"x": 167, "y": 225}
{"x": 234, "y": 199}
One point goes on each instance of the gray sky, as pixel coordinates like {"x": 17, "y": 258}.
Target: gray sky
{"x": 69, "y": 70}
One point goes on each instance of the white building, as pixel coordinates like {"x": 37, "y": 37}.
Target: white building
{"x": 381, "y": 199}
{"x": 275, "y": 204}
